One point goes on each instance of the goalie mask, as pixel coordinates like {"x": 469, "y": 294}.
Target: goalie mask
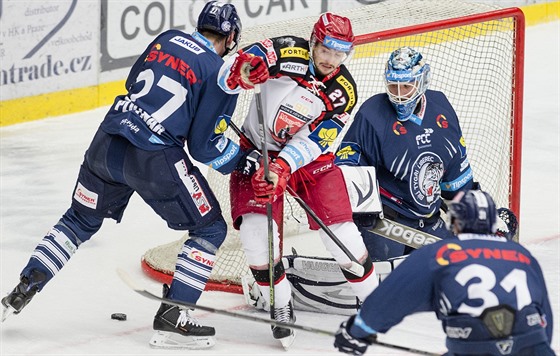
{"x": 474, "y": 212}
{"x": 406, "y": 79}
{"x": 222, "y": 19}
{"x": 331, "y": 43}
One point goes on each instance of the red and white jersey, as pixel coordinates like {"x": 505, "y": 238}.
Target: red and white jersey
{"x": 304, "y": 113}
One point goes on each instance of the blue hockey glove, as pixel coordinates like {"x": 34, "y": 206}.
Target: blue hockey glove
{"x": 345, "y": 342}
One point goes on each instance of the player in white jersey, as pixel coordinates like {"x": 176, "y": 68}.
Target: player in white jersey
{"x": 307, "y": 96}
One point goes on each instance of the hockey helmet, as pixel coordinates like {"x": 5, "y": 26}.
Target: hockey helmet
{"x": 220, "y": 18}
{"x": 407, "y": 77}
{"x": 334, "y": 32}
{"x": 474, "y": 212}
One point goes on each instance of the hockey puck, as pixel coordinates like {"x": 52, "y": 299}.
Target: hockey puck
{"x": 118, "y": 316}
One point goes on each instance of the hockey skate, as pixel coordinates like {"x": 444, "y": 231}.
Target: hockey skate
{"x": 22, "y": 294}
{"x": 286, "y": 315}
{"x": 176, "y": 329}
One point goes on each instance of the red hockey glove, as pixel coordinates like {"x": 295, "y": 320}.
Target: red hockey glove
{"x": 246, "y": 71}
{"x": 268, "y": 192}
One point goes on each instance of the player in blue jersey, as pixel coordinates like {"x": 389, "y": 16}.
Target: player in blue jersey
{"x": 412, "y": 136}
{"x": 488, "y": 292}
{"x": 173, "y": 99}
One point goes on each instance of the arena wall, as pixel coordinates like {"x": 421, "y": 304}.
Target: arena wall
{"x": 67, "y": 56}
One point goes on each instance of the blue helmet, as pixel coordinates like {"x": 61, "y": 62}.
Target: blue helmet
{"x": 222, "y": 19}
{"x": 474, "y": 212}
{"x": 406, "y": 79}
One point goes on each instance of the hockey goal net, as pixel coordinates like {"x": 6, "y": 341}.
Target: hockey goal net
{"x": 476, "y": 55}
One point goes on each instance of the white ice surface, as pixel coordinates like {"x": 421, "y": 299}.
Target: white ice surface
{"x": 71, "y": 316}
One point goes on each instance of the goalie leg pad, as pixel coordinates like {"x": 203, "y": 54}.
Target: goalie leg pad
{"x": 317, "y": 285}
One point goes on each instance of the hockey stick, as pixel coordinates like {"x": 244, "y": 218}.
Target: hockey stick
{"x": 263, "y": 130}
{"x": 356, "y": 267}
{"x": 145, "y": 293}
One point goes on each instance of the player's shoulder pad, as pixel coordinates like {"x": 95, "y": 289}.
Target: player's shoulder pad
{"x": 291, "y": 48}
{"x": 290, "y": 41}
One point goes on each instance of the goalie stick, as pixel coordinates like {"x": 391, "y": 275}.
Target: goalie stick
{"x": 147, "y": 294}
{"x": 414, "y": 238}
{"x": 403, "y": 234}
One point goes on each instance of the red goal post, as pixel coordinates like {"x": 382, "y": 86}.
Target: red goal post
{"x": 476, "y": 54}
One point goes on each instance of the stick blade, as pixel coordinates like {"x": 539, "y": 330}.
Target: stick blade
{"x": 128, "y": 280}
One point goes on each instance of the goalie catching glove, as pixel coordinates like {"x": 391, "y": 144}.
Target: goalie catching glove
{"x": 246, "y": 71}
{"x": 279, "y": 174}
{"x": 347, "y": 340}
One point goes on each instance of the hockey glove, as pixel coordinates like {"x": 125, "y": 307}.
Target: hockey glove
{"x": 250, "y": 163}
{"x": 345, "y": 342}
{"x": 279, "y": 174}
{"x": 246, "y": 71}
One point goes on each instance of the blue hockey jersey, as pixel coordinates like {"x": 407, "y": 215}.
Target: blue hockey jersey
{"x": 173, "y": 98}
{"x": 458, "y": 279}
{"x": 418, "y": 160}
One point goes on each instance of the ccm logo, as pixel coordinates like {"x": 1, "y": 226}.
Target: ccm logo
{"x": 322, "y": 169}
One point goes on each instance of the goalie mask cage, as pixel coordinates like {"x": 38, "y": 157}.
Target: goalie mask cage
{"x": 476, "y": 55}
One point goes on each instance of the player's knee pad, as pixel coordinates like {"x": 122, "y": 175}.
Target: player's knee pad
{"x": 210, "y": 237}
{"x": 282, "y": 289}
{"x": 253, "y": 234}
{"x": 349, "y": 235}
{"x": 262, "y": 277}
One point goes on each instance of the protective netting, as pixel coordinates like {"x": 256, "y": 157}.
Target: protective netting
{"x": 473, "y": 63}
